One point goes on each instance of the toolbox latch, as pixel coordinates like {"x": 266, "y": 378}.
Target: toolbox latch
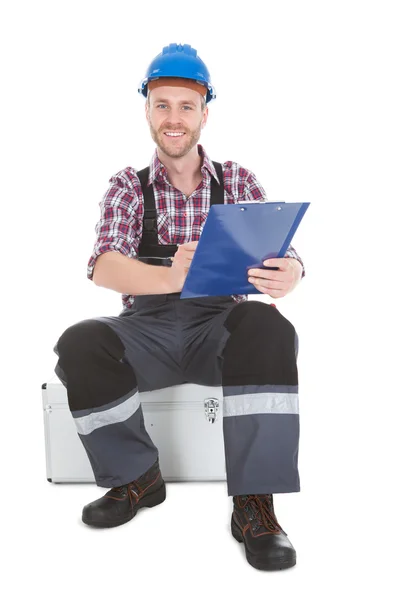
{"x": 211, "y": 407}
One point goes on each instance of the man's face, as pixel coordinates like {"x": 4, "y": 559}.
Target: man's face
{"x": 175, "y": 110}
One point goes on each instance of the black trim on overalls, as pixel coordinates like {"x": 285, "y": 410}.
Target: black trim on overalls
{"x": 150, "y": 251}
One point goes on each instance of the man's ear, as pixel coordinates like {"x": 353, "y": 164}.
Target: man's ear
{"x": 205, "y": 117}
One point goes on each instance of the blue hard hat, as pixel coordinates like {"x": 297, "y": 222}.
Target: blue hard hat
{"x": 178, "y": 60}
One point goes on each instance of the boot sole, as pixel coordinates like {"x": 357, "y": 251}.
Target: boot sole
{"x": 254, "y": 560}
{"x": 149, "y": 501}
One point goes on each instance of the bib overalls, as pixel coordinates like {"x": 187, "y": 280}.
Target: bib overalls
{"x": 249, "y": 348}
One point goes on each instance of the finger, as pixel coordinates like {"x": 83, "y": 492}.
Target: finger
{"x": 281, "y": 263}
{"x": 185, "y": 254}
{"x": 189, "y": 246}
{"x": 181, "y": 261}
{"x": 273, "y": 285}
{"x": 185, "y": 262}
{"x": 267, "y": 275}
{"x": 269, "y": 291}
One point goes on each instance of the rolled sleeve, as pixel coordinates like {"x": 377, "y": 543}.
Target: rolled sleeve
{"x": 291, "y": 253}
{"x": 117, "y": 228}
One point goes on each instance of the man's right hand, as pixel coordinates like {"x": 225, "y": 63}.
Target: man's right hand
{"x": 180, "y": 266}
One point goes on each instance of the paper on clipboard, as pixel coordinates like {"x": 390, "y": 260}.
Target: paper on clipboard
{"x": 235, "y": 238}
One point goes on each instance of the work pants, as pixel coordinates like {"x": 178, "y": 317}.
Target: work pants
{"x": 248, "y": 348}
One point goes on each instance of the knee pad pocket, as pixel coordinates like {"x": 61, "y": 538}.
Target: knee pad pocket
{"x": 87, "y": 336}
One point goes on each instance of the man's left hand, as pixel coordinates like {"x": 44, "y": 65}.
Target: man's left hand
{"x": 277, "y": 284}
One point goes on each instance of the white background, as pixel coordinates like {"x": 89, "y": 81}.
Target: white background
{"x": 308, "y": 99}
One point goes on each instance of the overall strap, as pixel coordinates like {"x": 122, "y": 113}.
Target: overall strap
{"x": 217, "y": 191}
{"x": 149, "y": 246}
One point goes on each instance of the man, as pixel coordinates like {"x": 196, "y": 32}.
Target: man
{"x": 149, "y": 227}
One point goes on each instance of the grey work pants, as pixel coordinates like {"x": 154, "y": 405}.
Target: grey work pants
{"x": 249, "y": 348}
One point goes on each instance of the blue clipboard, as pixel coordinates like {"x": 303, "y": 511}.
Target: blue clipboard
{"x": 236, "y": 238}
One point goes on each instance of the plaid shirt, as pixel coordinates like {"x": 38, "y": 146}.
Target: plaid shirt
{"x": 180, "y": 219}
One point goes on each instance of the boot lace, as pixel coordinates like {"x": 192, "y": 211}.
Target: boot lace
{"x": 261, "y": 507}
{"x": 128, "y": 489}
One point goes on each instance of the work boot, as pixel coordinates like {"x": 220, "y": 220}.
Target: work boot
{"x": 121, "y": 503}
{"x": 254, "y": 523}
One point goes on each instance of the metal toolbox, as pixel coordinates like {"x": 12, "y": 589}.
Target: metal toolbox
{"x": 184, "y": 422}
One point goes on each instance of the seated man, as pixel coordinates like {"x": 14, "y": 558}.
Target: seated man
{"x": 148, "y": 230}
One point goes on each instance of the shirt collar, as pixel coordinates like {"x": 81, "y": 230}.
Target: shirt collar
{"x": 159, "y": 173}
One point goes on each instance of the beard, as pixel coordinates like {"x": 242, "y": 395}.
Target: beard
{"x": 179, "y": 148}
